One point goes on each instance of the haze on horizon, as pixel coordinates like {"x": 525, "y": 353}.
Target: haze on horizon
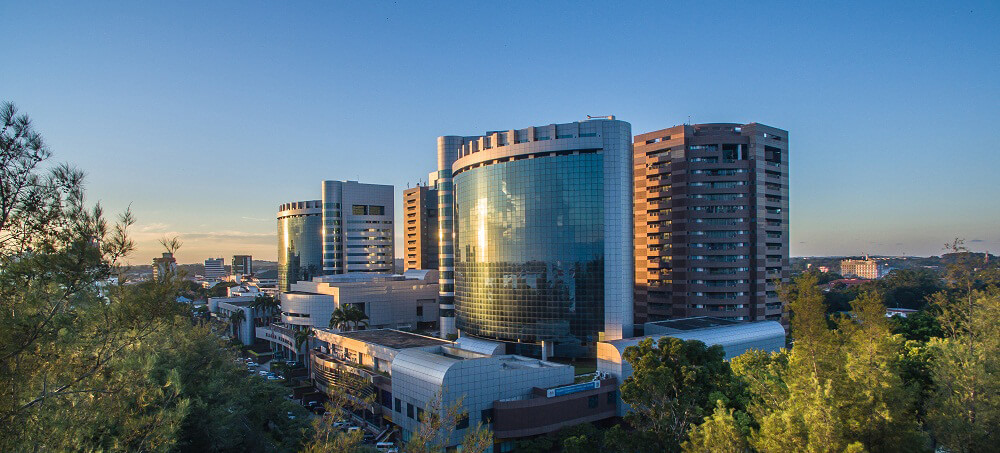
{"x": 203, "y": 117}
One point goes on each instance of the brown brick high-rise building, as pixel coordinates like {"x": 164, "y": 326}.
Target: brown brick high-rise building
{"x": 711, "y": 221}
{"x": 420, "y": 227}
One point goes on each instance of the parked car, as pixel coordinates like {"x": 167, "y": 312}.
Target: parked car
{"x": 386, "y": 447}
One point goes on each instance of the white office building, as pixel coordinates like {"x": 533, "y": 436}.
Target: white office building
{"x": 390, "y": 301}
{"x": 357, "y": 227}
{"x": 215, "y": 269}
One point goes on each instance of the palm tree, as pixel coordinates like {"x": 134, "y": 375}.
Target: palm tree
{"x": 357, "y": 316}
{"x": 267, "y": 305}
{"x": 340, "y": 318}
{"x": 236, "y": 319}
{"x": 302, "y": 336}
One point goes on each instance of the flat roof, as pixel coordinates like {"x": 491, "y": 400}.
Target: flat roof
{"x": 694, "y": 323}
{"x": 395, "y": 339}
{"x": 307, "y": 293}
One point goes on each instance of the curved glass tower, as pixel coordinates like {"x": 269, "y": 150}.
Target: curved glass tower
{"x": 542, "y": 234}
{"x": 300, "y": 242}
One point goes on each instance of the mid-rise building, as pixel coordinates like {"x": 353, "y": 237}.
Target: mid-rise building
{"x": 711, "y": 221}
{"x": 866, "y": 268}
{"x": 357, "y": 227}
{"x": 164, "y": 266}
{"x": 215, "y": 269}
{"x": 420, "y": 227}
{"x": 300, "y": 242}
{"x": 242, "y": 265}
{"x": 535, "y": 235}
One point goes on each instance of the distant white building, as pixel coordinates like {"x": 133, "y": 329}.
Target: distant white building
{"x": 215, "y": 269}
{"x": 866, "y": 268}
{"x": 390, "y": 301}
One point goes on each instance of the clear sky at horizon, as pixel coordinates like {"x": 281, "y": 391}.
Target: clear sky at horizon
{"x": 204, "y": 116}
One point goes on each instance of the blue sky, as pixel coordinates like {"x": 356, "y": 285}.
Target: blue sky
{"x": 204, "y": 116}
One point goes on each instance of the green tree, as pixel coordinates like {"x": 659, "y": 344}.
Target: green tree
{"x": 88, "y": 365}
{"x": 357, "y": 317}
{"x": 302, "y": 337}
{"x": 674, "y": 384}
{"x": 236, "y": 320}
{"x": 437, "y": 425}
{"x": 267, "y": 306}
{"x": 328, "y": 439}
{"x": 220, "y": 289}
{"x": 920, "y": 326}
{"x": 964, "y": 411}
{"x": 881, "y": 411}
{"x": 339, "y": 319}
{"x": 719, "y": 433}
{"x": 841, "y": 389}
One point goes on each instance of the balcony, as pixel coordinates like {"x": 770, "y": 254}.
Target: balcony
{"x": 656, "y": 228}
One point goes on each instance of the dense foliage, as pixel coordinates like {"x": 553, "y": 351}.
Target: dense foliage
{"x": 90, "y": 364}
{"x": 851, "y": 382}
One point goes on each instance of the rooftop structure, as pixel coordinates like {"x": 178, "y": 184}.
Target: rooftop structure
{"x": 394, "y": 339}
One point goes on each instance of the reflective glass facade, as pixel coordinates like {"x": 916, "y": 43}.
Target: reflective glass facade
{"x": 300, "y": 249}
{"x": 529, "y": 249}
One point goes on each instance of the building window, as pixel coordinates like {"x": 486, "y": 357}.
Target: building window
{"x": 486, "y": 416}
{"x": 592, "y": 401}
{"x": 386, "y": 399}
{"x": 376, "y": 210}
{"x": 420, "y": 415}
{"x": 420, "y": 310}
{"x": 359, "y": 209}
{"x": 462, "y": 422}
{"x": 612, "y": 398}
{"x": 399, "y": 405}
{"x": 409, "y": 410}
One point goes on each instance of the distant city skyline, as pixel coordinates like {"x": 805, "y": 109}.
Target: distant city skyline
{"x": 204, "y": 118}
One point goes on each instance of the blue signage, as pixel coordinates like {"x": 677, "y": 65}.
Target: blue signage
{"x": 568, "y": 389}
